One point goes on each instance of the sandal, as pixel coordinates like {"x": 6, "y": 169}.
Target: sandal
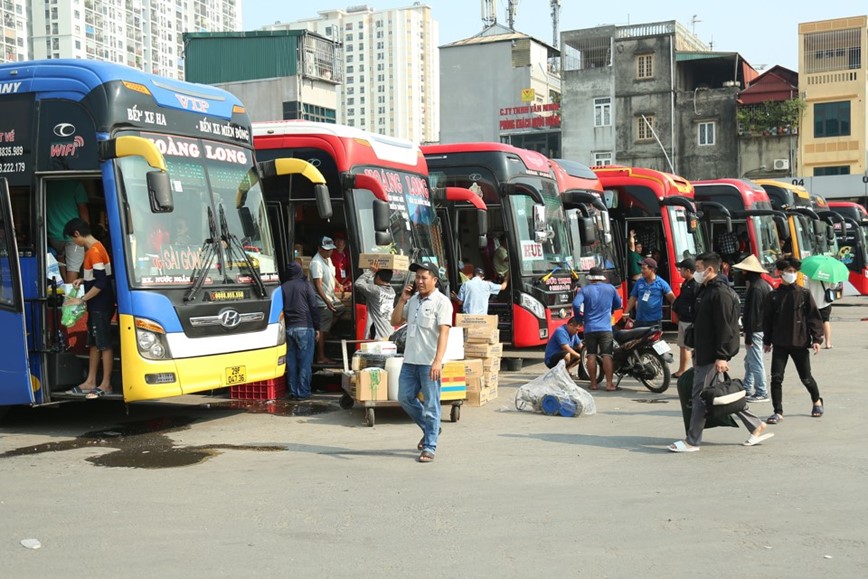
{"x": 97, "y": 393}
{"x": 817, "y": 410}
{"x": 774, "y": 418}
{"x": 426, "y": 456}
{"x": 421, "y": 444}
{"x": 75, "y": 390}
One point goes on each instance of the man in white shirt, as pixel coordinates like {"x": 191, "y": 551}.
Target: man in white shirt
{"x": 475, "y": 293}
{"x": 322, "y": 275}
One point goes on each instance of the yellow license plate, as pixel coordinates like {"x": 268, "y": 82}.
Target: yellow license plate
{"x": 236, "y": 375}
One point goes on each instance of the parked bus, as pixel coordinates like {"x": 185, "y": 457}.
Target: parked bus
{"x": 741, "y": 210}
{"x": 852, "y": 232}
{"x": 795, "y": 201}
{"x": 198, "y": 308}
{"x": 379, "y": 199}
{"x": 659, "y": 207}
{"x": 527, "y": 241}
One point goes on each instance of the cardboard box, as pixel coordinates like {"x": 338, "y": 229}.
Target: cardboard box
{"x": 481, "y": 397}
{"x": 476, "y": 321}
{"x": 474, "y": 350}
{"x": 481, "y": 335}
{"x": 384, "y": 261}
{"x": 372, "y": 384}
{"x": 453, "y": 381}
{"x": 454, "y": 345}
{"x": 491, "y": 364}
{"x": 473, "y": 367}
{"x": 490, "y": 380}
{"x": 380, "y": 347}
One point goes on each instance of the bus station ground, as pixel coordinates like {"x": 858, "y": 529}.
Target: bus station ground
{"x": 195, "y": 487}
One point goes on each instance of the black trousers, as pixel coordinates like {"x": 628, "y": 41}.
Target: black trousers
{"x": 802, "y": 359}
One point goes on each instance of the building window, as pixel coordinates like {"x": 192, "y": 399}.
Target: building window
{"x": 826, "y": 171}
{"x": 644, "y": 128}
{"x": 602, "y": 158}
{"x": 351, "y": 101}
{"x": 645, "y": 66}
{"x": 350, "y": 80}
{"x": 603, "y": 112}
{"x": 349, "y": 70}
{"x": 706, "y": 133}
{"x": 832, "y": 119}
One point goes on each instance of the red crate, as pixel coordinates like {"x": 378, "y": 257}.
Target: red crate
{"x": 262, "y": 390}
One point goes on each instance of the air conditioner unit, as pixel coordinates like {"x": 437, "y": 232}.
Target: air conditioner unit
{"x": 309, "y": 68}
{"x": 781, "y": 164}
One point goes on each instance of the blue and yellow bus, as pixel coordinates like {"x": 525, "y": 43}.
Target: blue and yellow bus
{"x": 165, "y": 173}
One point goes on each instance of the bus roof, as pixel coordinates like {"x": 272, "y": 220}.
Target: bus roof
{"x": 75, "y": 78}
{"x": 356, "y": 146}
{"x": 856, "y": 208}
{"x": 750, "y": 192}
{"x": 797, "y": 190}
{"x": 532, "y": 160}
{"x": 572, "y": 175}
{"x": 663, "y": 184}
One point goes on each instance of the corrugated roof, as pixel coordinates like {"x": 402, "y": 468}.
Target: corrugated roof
{"x": 686, "y": 56}
{"x": 497, "y": 33}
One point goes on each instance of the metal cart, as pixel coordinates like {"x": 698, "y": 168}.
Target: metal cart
{"x": 348, "y": 399}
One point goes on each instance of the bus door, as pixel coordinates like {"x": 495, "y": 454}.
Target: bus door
{"x": 15, "y": 386}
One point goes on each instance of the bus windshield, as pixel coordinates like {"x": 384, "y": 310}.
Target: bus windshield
{"x": 685, "y": 243}
{"x": 216, "y": 194}
{"x": 803, "y": 236}
{"x": 768, "y": 244}
{"x": 540, "y": 256}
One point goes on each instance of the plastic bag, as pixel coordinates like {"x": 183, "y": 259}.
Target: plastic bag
{"x": 52, "y": 269}
{"x": 400, "y": 338}
{"x": 73, "y": 307}
{"x": 555, "y": 392}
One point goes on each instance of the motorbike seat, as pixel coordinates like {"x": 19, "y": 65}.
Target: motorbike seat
{"x": 622, "y": 336}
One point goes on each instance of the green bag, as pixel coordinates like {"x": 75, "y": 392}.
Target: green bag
{"x": 685, "y": 389}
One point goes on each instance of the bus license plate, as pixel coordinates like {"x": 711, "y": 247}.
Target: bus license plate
{"x": 661, "y": 347}
{"x": 236, "y": 375}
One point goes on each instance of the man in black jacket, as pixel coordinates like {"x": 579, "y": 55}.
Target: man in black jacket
{"x": 792, "y": 324}
{"x": 683, "y": 306}
{"x": 716, "y": 341}
{"x": 752, "y": 322}
{"x": 301, "y": 316}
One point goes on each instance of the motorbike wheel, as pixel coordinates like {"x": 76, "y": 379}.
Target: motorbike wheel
{"x": 660, "y": 382}
{"x": 583, "y": 369}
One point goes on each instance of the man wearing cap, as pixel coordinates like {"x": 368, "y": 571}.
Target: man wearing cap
{"x": 428, "y": 314}
{"x": 474, "y": 293}
{"x": 647, "y": 295}
{"x": 752, "y": 321}
{"x": 685, "y": 307}
{"x": 596, "y": 302}
{"x": 322, "y": 275}
{"x": 375, "y": 285}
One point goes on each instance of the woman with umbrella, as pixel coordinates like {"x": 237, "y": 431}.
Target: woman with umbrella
{"x": 824, "y": 275}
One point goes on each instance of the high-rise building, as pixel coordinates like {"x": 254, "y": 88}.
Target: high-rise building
{"x": 391, "y": 82}
{"x": 14, "y": 39}
{"x": 145, "y": 34}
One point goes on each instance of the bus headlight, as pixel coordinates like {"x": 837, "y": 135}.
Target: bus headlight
{"x": 281, "y": 329}
{"x": 531, "y": 303}
{"x": 151, "y": 340}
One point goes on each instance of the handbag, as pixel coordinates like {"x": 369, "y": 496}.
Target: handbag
{"x": 723, "y": 395}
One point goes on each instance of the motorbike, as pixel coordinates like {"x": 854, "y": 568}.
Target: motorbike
{"x": 641, "y": 353}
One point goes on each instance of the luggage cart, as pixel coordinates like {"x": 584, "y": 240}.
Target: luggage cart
{"x": 348, "y": 398}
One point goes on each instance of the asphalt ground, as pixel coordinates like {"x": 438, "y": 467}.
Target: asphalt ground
{"x": 199, "y": 487}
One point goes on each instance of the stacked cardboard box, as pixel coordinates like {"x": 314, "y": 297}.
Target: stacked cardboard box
{"x": 482, "y": 352}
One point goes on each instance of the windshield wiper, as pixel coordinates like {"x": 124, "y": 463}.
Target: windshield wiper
{"x": 207, "y": 251}
{"x": 232, "y": 241}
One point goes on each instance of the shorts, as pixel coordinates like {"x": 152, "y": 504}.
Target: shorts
{"x": 599, "y": 344}
{"x": 553, "y": 361}
{"x": 68, "y": 253}
{"x": 826, "y": 313}
{"x": 99, "y": 330}
{"x": 326, "y": 319}
{"x": 682, "y": 328}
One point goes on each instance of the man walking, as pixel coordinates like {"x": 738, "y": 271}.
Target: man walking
{"x": 716, "y": 342}
{"x": 752, "y": 322}
{"x": 322, "y": 275}
{"x": 791, "y": 325}
{"x": 475, "y": 293}
{"x": 301, "y": 315}
{"x": 375, "y": 285}
{"x": 428, "y": 314}
{"x": 684, "y": 306}
{"x": 596, "y": 302}
{"x": 647, "y": 295}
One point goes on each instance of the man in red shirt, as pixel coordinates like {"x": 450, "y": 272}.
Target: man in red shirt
{"x": 341, "y": 261}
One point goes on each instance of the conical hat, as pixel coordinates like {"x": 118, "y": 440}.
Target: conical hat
{"x": 750, "y": 263}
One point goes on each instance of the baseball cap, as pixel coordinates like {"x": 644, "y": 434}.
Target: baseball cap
{"x": 427, "y": 266}
{"x": 687, "y": 263}
{"x": 596, "y": 274}
{"x": 327, "y": 243}
{"x": 649, "y": 261}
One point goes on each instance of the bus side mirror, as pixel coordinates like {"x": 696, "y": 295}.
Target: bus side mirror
{"x": 539, "y": 218}
{"x": 382, "y": 224}
{"x": 587, "y": 230}
{"x": 782, "y": 227}
{"x": 830, "y": 235}
{"x": 248, "y": 226}
{"x": 482, "y": 226}
{"x": 323, "y": 200}
{"x": 160, "y": 192}
{"x": 692, "y": 222}
{"x": 818, "y": 228}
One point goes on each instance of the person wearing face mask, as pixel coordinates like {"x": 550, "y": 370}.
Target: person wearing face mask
{"x": 792, "y": 325}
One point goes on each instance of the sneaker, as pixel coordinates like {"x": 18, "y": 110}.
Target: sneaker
{"x": 758, "y": 398}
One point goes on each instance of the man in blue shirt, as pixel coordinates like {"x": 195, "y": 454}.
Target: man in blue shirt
{"x": 474, "y": 293}
{"x": 564, "y": 344}
{"x": 598, "y": 300}
{"x": 647, "y": 295}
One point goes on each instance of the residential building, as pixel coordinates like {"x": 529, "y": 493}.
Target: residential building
{"x": 391, "y": 81}
{"x": 14, "y": 40}
{"x": 501, "y": 85}
{"x": 145, "y": 34}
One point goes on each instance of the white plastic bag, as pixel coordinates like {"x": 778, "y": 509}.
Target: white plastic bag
{"x": 555, "y": 388}
{"x": 52, "y": 269}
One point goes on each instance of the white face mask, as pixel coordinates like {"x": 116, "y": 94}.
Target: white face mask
{"x": 789, "y": 277}
{"x": 699, "y": 276}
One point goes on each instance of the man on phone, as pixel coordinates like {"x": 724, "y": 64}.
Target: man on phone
{"x": 428, "y": 314}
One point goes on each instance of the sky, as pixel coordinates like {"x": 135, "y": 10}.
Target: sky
{"x": 764, "y": 33}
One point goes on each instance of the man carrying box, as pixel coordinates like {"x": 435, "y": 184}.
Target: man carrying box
{"x": 428, "y": 314}
{"x": 376, "y": 287}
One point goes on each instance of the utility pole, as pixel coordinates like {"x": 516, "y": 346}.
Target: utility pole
{"x": 489, "y": 12}
{"x": 511, "y": 9}
{"x": 556, "y": 18}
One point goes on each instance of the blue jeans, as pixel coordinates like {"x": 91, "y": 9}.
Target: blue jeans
{"x": 754, "y": 368}
{"x": 414, "y": 379}
{"x": 300, "y": 344}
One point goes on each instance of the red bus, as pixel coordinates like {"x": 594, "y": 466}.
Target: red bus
{"x": 379, "y": 200}
{"x": 659, "y": 207}
{"x": 526, "y": 241}
{"x": 853, "y": 243}
{"x": 741, "y": 209}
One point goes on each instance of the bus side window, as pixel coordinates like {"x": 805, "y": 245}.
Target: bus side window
{"x": 21, "y": 212}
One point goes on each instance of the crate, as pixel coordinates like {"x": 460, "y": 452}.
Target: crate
{"x": 262, "y": 390}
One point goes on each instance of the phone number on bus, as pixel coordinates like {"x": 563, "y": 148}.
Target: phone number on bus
{"x": 11, "y": 151}
{"x": 12, "y": 167}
